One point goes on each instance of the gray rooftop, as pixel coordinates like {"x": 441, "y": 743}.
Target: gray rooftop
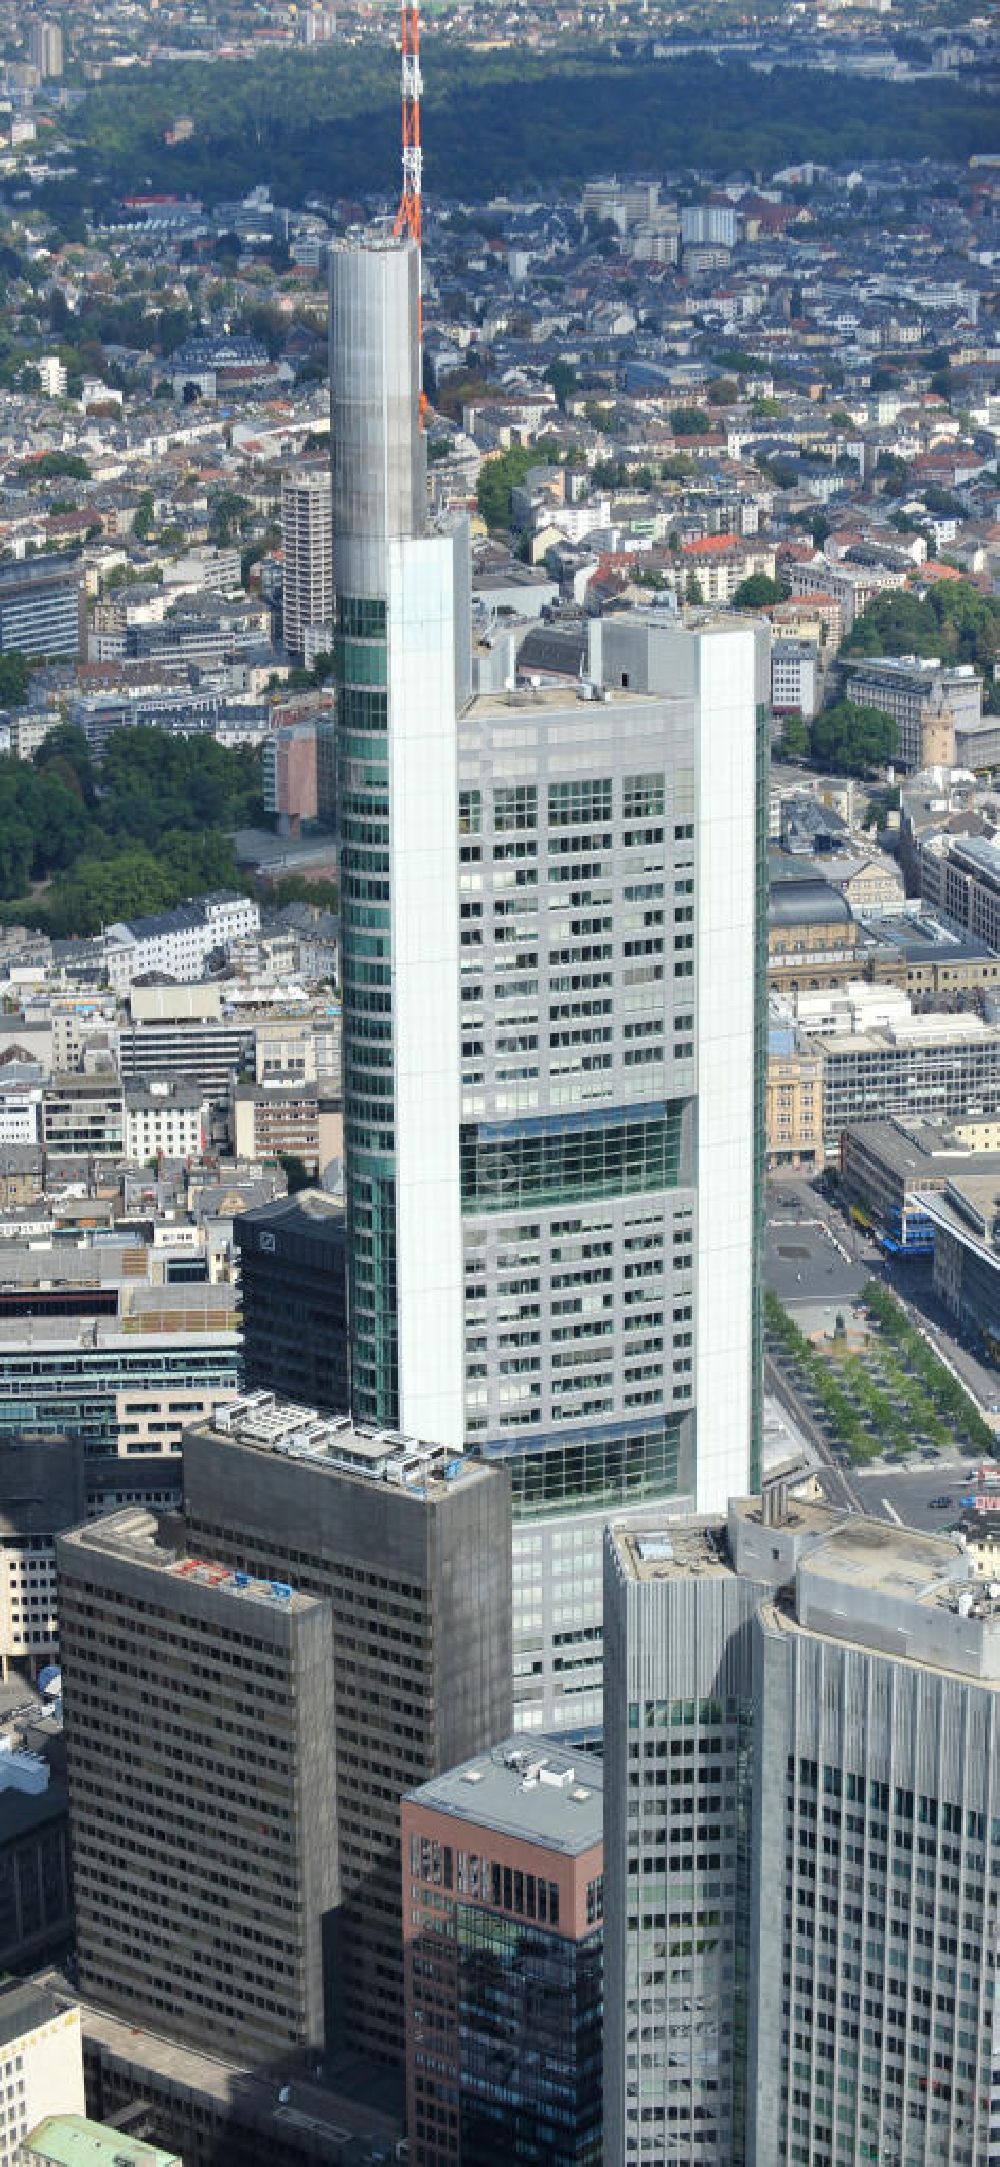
{"x": 24, "y": 2008}
{"x": 921, "y": 1151}
{"x": 534, "y": 1789}
{"x": 335, "y": 1445}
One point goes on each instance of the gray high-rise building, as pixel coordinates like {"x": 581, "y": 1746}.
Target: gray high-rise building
{"x": 250, "y": 1690}
{"x": 552, "y": 976}
{"x": 802, "y": 1844}
{"x": 199, "y": 1735}
{"x": 411, "y": 1550}
{"x": 306, "y": 554}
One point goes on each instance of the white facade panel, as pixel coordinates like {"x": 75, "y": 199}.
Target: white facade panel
{"x": 726, "y": 880}
{"x": 423, "y": 796}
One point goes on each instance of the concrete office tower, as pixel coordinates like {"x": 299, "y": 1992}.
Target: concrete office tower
{"x": 398, "y": 690}
{"x": 307, "y": 554}
{"x": 875, "y": 2029}
{"x": 502, "y": 1904}
{"x": 199, "y": 1725}
{"x": 678, "y": 1759}
{"x": 412, "y": 1551}
{"x": 812, "y": 1981}
{"x": 612, "y": 1143}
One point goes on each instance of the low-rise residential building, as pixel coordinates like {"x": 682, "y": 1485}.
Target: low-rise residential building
{"x": 83, "y": 1117}
{"x": 164, "y": 1118}
{"x": 179, "y": 943}
{"x": 276, "y": 1120}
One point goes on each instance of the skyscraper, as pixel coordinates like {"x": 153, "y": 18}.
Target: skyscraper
{"x": 397, "y": 790}
{"x": 552, "y": 999}
{"x": 199, "y": 1706}
{"x": 46, "y": 47}
{"x": 411, "y": 1549}
{"x": 307, "y": 554}
{"x": 802, "y": 1844}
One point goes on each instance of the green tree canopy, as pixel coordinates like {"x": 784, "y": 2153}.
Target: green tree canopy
{"x": 563, "y": 378}
{"x": 497, "y": 478}
{"x": 690, "y": 420}
{"x": 14, "y": 676}
{"x": 852, "y": 739}
{"x": 757, "y": 592}
{"x": 952, "y": 619}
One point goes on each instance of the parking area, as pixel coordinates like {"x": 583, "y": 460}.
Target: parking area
{"x": 909, "y": 1495}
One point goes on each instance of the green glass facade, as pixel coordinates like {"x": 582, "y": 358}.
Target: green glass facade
{"x": 510, "y": 1166}
{"x": 618, "y": 1463}
{"x": 361, "y": 666}
{"x": 529, "y": 2019}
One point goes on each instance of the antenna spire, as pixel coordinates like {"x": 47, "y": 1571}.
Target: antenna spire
{"x": 409, "y": 215}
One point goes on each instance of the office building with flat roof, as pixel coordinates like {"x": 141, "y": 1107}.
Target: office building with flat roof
{"x": 932, "y": 704}
{"x": 503, "y": 1899}
{"x": 41, "y": 2062}
{"x": 293, "y": 1299}
{"x": 199, "y": 1737}
{"x": 128, "y": 1384}
{"x": 71, "y": 2140}
{"x": 411, "y": 1548}
{"x": 42, "y": 605}
{"x": 799, "y": 1954}
{"x": 889, "y": 1168}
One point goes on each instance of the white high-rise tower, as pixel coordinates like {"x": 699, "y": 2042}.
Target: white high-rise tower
{"x": 552, "y": 977}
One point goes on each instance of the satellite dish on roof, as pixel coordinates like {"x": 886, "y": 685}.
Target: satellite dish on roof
{"x": 50, "y": 1680}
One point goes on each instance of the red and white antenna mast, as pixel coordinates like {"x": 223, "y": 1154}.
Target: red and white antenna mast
{"x": 409, "y": 215}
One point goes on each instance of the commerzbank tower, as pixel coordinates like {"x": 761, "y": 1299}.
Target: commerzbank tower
{"x": 552, "y": 922}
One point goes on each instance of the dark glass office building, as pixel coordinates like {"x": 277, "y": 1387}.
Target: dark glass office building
{"x": 503, "y": 1899}
{"x": 293, "y": 1285}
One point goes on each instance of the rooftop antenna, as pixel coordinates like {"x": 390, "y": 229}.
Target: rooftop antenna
{"x": 409, "y": 216}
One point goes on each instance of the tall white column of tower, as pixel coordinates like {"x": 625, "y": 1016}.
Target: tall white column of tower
{"x": 397, "y": 791}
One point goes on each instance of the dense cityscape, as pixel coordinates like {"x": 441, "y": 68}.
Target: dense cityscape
{"x": 499, "y": 1084}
